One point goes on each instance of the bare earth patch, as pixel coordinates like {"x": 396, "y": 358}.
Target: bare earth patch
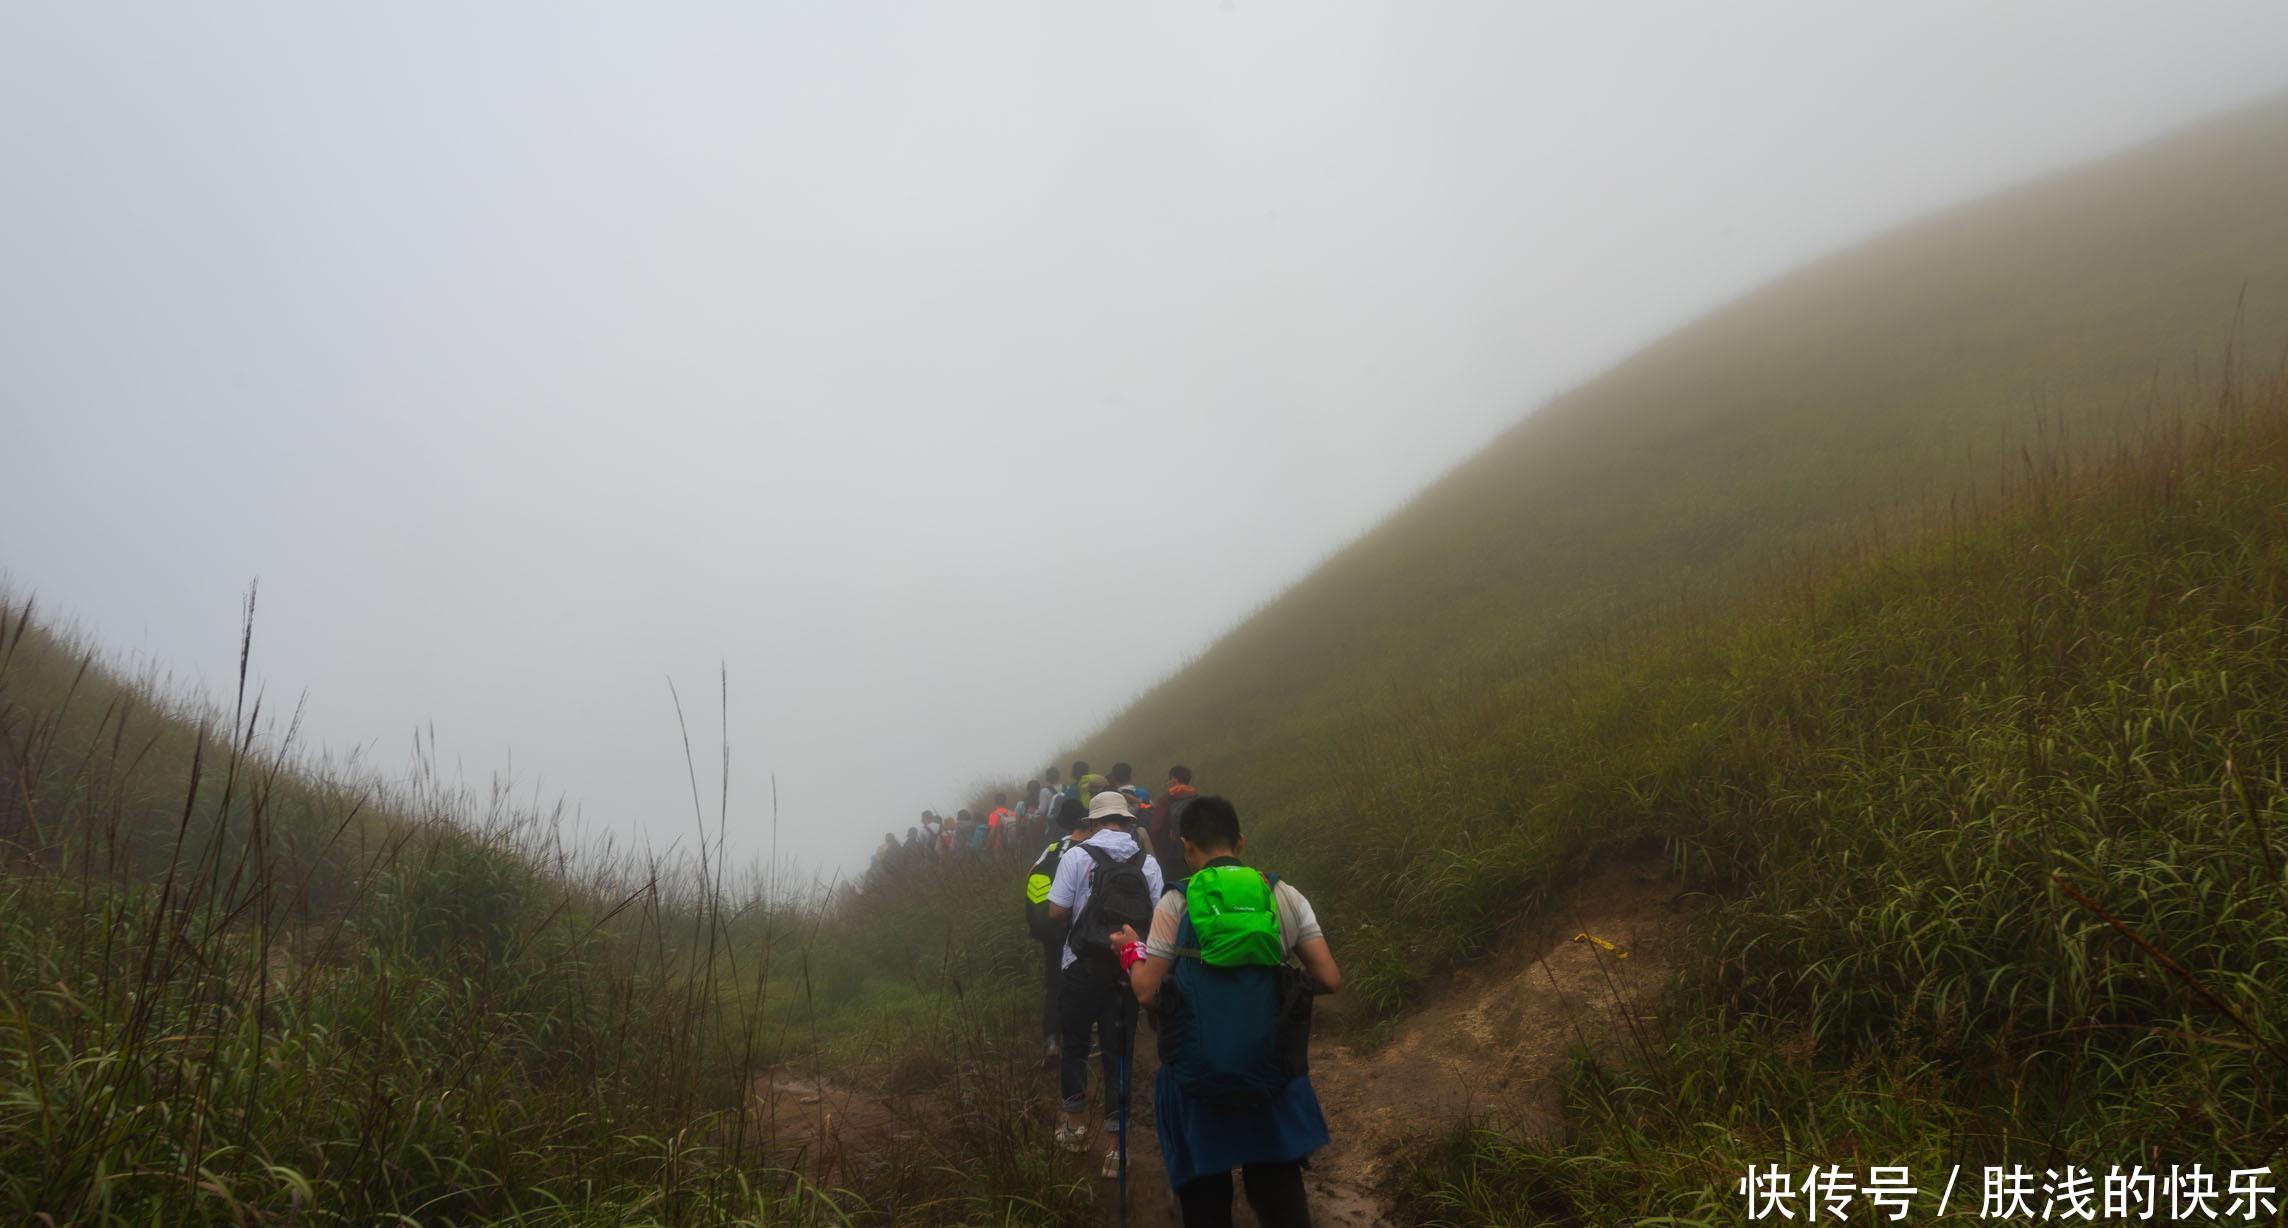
{"x": 1496, "y": 1037}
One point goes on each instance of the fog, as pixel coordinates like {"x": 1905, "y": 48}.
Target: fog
{"x": 945, "y": 374}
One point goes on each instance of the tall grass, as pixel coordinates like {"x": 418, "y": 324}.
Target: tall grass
{"x": 236, "y": 987}
{"x": 1999, "y": 810}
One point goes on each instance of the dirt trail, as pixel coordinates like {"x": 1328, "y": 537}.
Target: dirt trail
{"x": 1492, "y": 1039}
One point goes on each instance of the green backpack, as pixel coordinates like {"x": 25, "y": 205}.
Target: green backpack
{"x": 1237, "y": 922}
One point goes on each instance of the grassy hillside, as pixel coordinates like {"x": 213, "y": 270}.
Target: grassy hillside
{"x": 2006, "y": 819}
{"x": 1377, "y": 705}
{"x": 239, "y": 987}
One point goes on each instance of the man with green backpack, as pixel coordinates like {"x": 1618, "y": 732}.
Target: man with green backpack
{"x": 1233, "y": 1014}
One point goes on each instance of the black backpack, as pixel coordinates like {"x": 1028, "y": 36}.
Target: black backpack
{"x": 1118, "y": 894}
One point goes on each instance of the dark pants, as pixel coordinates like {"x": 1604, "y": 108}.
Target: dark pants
{"x": 1274, "y": 1190}
{"x": 1091, "y": 998}
{"x": 1052, "y": 1023}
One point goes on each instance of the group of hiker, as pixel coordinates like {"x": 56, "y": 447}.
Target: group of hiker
{"x": 1144, "y": 905}
{"x": 997, "y": 833}
{"x": 1009, "y": 827}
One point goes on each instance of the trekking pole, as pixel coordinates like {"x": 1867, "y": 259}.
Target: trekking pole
{"x": 1126, "y": 1041}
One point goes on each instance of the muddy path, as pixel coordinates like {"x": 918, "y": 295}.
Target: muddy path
{"x": 1491, "y": 1039}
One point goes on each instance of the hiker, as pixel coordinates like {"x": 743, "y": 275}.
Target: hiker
{"x": 1233, "y": 1021}
{"x": 933, "y": 833}
{"x": 887, "y": 854}
{"x": 1139, "y": 797}
{"x": 1080, "y": 786}
{"x": 1167, "y": 814}
{"x": 1046, "y": 801}
{"x": 1002, "y": 822}
{"x": 1110, "y": 885}
{"x": 913, "y": 849}
{"x": 1050, "y": 934}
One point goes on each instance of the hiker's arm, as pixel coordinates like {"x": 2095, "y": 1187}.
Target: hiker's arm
{"x": 1144, "y": 978}
{"x": 1319, "y": 962}
{"x": 1063, "y": 893}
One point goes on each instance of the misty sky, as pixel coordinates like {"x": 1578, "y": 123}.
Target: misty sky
{"x": 950, "y": 372}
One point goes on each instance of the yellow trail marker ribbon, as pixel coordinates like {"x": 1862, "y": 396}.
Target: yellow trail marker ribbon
{"x": 1586, "y": 935}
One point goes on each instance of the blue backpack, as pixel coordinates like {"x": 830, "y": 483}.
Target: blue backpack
{"x": 1234, "y": 1035}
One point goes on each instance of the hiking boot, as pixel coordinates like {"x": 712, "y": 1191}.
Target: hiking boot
{"x": 1072, "y": 1138}
{"x": 1111, "y": 1163}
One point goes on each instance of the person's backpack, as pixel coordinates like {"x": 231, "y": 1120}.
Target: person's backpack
{"x": 1234, "y": 916}
{"x": 1118, "y": 894}
{"x": 1037, "y": 886}
{"x": 1234, "y": 1015}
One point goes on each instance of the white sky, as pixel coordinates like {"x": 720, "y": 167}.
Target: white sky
{"x": 951, "y": 372}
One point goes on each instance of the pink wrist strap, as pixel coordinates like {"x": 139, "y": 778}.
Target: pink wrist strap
{"x": 1131, "y": 955}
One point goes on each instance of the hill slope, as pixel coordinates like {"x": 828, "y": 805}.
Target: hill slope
{"x": 1368, "y": 703}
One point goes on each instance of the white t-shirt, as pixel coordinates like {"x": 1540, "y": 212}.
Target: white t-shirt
{"x": 1297, "y": 923}
{"x": 1070, "y": 889}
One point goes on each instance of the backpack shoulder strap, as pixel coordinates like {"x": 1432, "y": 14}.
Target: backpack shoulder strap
{"x": 1102, "y": 859}
{"x": 1187, "y": 939}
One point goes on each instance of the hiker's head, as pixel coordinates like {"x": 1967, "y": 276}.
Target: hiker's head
{"x": 1032, "y": 789}
{"x": 913, "y": 833}
{"x": 1070, "y": 813}
{"x": 1080, "y": 768}
{"x": 1209, "y": 829}
{"x": 1179, "y": 775}
{"x": 1054, "y": 776}
{"x": 1122, "y": 774}
{"x": 1108, "y": 809}
{"x": 1000, "y": 799}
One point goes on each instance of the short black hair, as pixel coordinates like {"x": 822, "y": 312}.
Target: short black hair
{"x": 1122, "y": 773}
{"x": 1000, "y": 799}
{"x": 1210, "y": 823}
{"x": 927, "y": 816}
{"x": 1070, "y": 812}
{"x": 1080, "y": 768}
{"x": 1055, "y": 776}
{"x": 1180, "y": 774}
